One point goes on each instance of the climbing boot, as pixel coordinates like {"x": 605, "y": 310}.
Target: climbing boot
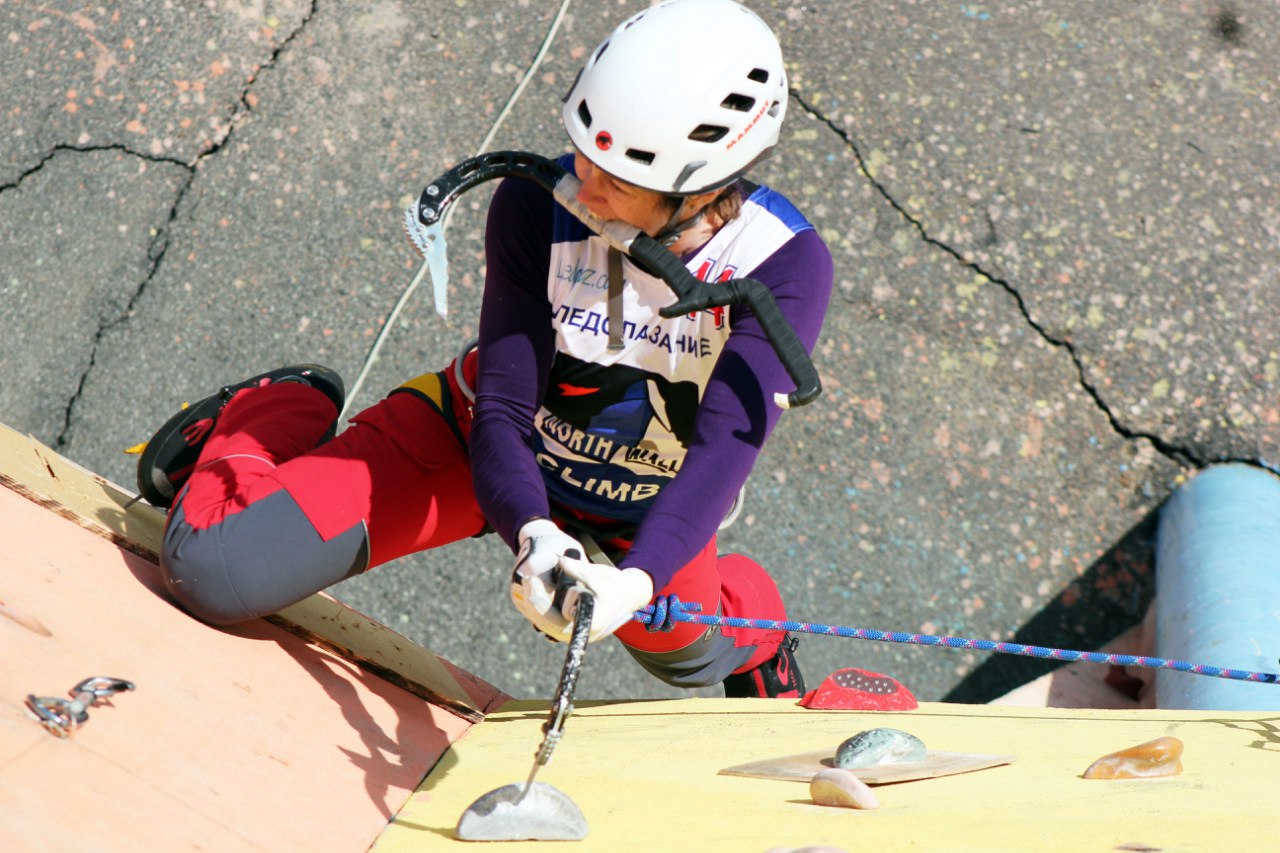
{"x": 170, "y": 456}
{"x": 777, "y": 678}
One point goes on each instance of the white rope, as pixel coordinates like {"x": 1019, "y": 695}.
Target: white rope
{"x": 408, "y": 292}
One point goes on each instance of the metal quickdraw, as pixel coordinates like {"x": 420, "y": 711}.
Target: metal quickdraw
{"x": 63, "y": 716}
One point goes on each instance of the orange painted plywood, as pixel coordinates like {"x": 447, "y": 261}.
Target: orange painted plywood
{"x": 64, "y": 488}
{"x": 248, "y": 739}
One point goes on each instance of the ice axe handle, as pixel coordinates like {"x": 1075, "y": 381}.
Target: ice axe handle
{"x": 694, "y": 295}
{"x": 562, "y": 704}
{"x": 563, "y": 582}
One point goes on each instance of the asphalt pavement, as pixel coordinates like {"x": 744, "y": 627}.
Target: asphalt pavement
{"x": 1055, "y": 228}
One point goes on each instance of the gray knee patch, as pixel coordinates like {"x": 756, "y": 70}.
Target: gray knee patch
{"x": 707, "y": 661}
{"x": 253, "y": 563}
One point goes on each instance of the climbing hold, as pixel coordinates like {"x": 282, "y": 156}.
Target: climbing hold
{"x": 1159, "y": 757}
{"x": 879, "y": 746}
{"x": 833, "y": 786}
{"x": 854, "y": 689}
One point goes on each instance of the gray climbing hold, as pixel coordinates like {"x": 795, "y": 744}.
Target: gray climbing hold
{"x": 545, "y": 813}
{"x": 879, "y": 746}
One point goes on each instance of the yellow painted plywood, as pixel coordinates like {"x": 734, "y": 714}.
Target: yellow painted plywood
{"x": 803, "y": 766}
{"x": 646, "y": 775}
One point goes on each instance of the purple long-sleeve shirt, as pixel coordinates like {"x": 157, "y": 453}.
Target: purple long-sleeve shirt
{"x": 736, "y": 412}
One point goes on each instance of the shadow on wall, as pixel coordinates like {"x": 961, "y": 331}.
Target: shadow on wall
{"x": 1109, "y": 598}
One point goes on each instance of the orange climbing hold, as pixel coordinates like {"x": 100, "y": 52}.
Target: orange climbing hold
{"x": 1159, "y": 757}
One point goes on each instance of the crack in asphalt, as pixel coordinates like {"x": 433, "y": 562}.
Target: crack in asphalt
{"x": 86, "y": 149}
{"x": 155, "y": 253}
{"x": 159, "y": 246}
{"x": 243, "y": 107}
{"x": 1179, "y": 455}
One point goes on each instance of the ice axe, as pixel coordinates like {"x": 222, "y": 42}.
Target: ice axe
{"x": 536, "y": 811}
{"x": 424, "y": 225}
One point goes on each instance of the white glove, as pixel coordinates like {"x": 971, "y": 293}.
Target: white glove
{"x": 533, "y": 586}
{"x": 619, "y": 594}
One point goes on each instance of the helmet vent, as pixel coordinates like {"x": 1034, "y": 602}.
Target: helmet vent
{"x": 645, "y": 157}
{"x": 759, "y": 75}
{"x": 740, "y": 103}
{"x": 708, "y": 133}
{"x": 584, "y": 113}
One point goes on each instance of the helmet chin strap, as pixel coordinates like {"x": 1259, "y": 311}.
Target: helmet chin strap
{"x": 668, "y": 236}
{"x": 671, "y": 232}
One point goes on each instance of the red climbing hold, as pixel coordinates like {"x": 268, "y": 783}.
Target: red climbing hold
{"x": 860, "y": 690}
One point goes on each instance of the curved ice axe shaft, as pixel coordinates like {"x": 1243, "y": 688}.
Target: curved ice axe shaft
{"x": 691, "y": 293}
{"x": 562, "y": 704}
{"x": 539, "y": 812}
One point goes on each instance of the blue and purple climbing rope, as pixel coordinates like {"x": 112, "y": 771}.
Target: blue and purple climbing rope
{"x": 665, "y": 613}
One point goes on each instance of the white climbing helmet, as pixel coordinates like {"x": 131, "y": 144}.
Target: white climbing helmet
{"x": 681, "y": 98}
